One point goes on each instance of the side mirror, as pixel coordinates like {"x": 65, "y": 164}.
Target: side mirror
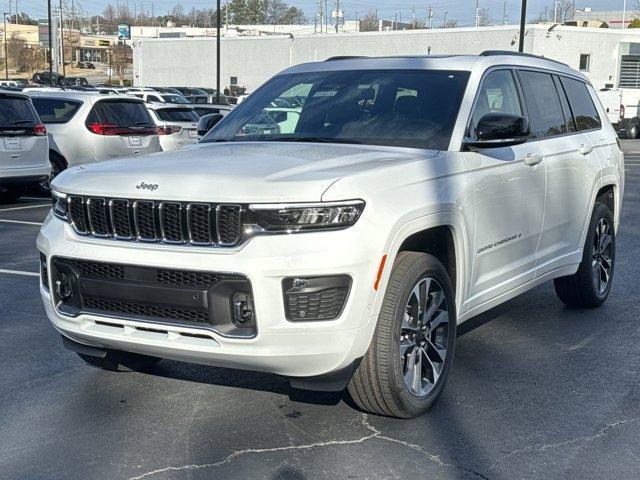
{"x": 496, "y": 130}
{"x": 207, "y": 122}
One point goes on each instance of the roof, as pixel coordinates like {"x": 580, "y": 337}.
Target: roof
{"x": 161, "y": 105}
{"x": 82, "y": 95}
{"x": 12, "y": 93}
{"x": 436, "y": 62}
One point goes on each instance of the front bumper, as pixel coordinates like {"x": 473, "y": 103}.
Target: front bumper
{"x": 296, "y": 349}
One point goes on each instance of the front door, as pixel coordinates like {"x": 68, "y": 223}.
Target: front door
{"x": 510, "y": 196}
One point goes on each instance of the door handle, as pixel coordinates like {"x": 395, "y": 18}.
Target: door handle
{"x": 585, "y": 149}
{"x": 533, "y": 159}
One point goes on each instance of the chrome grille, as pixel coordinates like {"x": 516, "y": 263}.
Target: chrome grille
{"x": 201, "y": 224}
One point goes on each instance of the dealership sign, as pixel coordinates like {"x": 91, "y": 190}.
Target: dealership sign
{"x": 124, "y": 31}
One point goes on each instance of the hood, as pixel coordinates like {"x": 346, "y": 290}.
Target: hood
{"x": 233, "y": 172}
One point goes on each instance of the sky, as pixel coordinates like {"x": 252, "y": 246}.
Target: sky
{"x": 461, "y": 10}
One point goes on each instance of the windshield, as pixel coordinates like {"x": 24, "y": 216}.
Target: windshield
{"x": 120, "y": 113}
{"x": 175, "y": 99}
{"x": 407, "y": 108}
{"x": 177, "y": 115}
{"x": 16, "y": 112}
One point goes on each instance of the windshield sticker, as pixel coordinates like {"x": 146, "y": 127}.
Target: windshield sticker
{"x": 326, "y": 93}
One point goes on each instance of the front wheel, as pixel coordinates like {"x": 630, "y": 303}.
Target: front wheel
{"x": 591, "y": 284}
{"x": 404, "y": 371}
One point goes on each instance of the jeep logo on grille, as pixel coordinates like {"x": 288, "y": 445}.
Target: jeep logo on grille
{"x": 147, "y": 186}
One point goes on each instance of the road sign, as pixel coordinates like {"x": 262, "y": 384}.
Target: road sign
{"x": 124, "y": 31}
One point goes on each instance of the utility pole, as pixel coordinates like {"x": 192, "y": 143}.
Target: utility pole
{"x": 413, "y": 17}
{"x": 624, "y": 11}
{"x": 555, "y": 11}
{"x": 326, "y": 16}
{"x": 504, "y": 12}
{"x": 218, "y": 28}
{"x": 15, "y": 17}
{"x": 64, "y": 72}
{"x": 444, "y": 21}
{"x": 50, "y": 43}
{"x": 430, "y": 16}
{"x": 6, "y": 54}
{"x": 477, "y": 13}
{"x": 523, "y": 21}
{"x": 337, "y": 15}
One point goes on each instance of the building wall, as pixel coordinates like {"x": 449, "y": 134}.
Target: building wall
{"x": 192, "y": 61}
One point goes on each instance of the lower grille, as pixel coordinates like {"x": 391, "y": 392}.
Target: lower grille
{"x": 158, "y": 295}
{"x": 315, "y": 298}
{"x": 144, "y": 310}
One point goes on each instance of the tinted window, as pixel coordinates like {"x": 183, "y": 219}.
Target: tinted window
{"x": 205, "y": 111}
{"x": 582, "y": 106}
{"x": 497, "y": 94}
{"x": 543, "y": 104}
{"x": 566, "y": 110}
{"x": 16, "y": 111}
{"x": 120, "y": 113}
{"x": 56, "y": 110}
{"x": 380, "y": 107}
{"x": 177, "y": 115}
{"x": 175, "y": 99}
{"x": 152, "y": 98}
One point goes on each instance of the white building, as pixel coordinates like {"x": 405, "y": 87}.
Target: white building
{"x": 608, "y": 57}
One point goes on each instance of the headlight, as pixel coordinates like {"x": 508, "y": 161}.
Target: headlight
{"x": 291, "y": 218}
{"x": 60, "y": 207}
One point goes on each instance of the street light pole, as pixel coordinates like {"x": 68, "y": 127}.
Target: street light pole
{"x": 50, "y": 44}
{"x": 64, "y": 72}
{"x": 6, "y": 54}
{"x": 523, "y": 21}
{"x": 218, "y": 27}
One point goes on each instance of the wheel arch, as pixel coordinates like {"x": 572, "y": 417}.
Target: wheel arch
{"x": 440, "y": 234}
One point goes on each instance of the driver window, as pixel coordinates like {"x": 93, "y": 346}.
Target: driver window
{"x": 497, "y": 94}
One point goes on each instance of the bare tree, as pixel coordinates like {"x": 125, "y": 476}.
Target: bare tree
{"x": 564, "y": 12}
{"x": 484, "y": 17}
{"x": 418, "y": 24}
{"x": 274, "y": 11}
{"x": 370, "y": 22}
{"x": 121, "y": 61}
{"x": 452, "y": 23}
{"x": 23, "y": 57}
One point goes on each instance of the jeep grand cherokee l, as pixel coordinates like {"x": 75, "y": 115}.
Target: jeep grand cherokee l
{"x": 344, "y": 249}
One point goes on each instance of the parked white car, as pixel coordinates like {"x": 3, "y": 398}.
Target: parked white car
{"x": 412, "y": 194}
{"x": 24, "y": 148}
{"x": 177, "y": 124}
{"x": 88, "y": 127}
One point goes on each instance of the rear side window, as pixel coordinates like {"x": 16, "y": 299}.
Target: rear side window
{"x": 16, "y": 112}
{"x": 566, "y": 110}
{"x": 543, "y": 104}
{"x": 120, "y": 114}
{"x": 177, "y": 115}
{"x": 56, "y": 110}
{"x": 582, "y": 106}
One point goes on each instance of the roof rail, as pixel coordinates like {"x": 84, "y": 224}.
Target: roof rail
{"x": 494, "y": 53}
{"x": 344, "y": 57}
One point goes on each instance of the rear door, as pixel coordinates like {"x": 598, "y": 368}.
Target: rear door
{"x": 573, "y": 167}
{"x": 20, "y": 146}
{"x": 123, "y": 128}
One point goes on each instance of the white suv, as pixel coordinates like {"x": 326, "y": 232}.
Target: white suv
{"x": 24, "y": 148}
{"x": 343, "y": 250}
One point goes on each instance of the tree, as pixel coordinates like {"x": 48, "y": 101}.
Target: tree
{"x": 635, "y": 23}
{"x": 418, "y": 24}
{"x": 452, "y": 23}
{"x": 294, "y": 16}
{"x": 564, "y": 11}
{"x": 370, "y": 22}
{"x": 484, "y": 17}
{"x": 120, "y": 61}
{"x": 23, "y": 57}
{"x": 274, "y": 11}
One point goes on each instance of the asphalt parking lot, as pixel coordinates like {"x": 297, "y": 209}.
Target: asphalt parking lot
{"x": 537, "y": 391}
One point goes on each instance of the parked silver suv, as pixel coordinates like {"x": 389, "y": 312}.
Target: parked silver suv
{"x": 23, "y": 146}
{"x": 87, "y": 127}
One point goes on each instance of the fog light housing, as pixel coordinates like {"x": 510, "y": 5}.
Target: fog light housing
{"x": 44, "y": 272}
{"x": 308, "y": 299}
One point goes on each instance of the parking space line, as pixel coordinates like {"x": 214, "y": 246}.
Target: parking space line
{"x": 25, "y": 207}
{"x": 21, "y": 222}
{"x": 19, "y": 272}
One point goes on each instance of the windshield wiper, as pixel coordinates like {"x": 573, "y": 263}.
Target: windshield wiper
{"x": 20, "y": 122}
{"x": 310, "y": 139}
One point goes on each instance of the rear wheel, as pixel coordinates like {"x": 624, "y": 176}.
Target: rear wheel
{"x": 121, "y": 361}
{"x": 404, "y": 371}
{"x": 591, "y": 284}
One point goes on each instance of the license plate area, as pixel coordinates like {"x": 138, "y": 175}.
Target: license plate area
{"x": 12, "y": 143}
{"x": 135, "y": 142}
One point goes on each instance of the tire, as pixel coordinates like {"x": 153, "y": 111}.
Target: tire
{"x": 587, "y": 288}
{"x": 378, "y": 386}
{"x": 633, "y": 131}
{"x": 121, "y": 361}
